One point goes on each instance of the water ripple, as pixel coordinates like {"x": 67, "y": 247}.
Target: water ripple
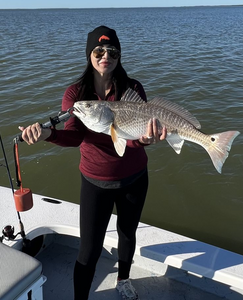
{"x": 192, "y": 56}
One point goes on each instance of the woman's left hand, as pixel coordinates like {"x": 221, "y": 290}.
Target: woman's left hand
{"x": 152, "y": 136}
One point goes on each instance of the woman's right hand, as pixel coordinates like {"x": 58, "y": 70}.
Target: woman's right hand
{"x": 34, "y": 133}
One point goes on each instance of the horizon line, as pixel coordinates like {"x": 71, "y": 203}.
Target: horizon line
{"x": 182, "y": 6}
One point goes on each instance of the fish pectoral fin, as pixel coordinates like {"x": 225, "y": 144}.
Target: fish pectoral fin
{"x": 175, "y": 141}
{"x": 119, "y": 143}
{"x": 120, "y": 146}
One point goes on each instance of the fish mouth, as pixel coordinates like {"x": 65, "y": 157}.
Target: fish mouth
{"x": 78, "y": 112}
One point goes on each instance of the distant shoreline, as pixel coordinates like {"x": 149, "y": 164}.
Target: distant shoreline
{"x": 145, "y": 7}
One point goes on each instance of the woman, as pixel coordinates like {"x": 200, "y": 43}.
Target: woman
{"x": 107, "y": 179}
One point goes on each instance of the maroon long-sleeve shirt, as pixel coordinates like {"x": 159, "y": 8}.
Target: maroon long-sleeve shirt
{"x": 99, "y": 159}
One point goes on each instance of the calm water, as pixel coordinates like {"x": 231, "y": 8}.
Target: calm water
{"x": 192, "y": 56}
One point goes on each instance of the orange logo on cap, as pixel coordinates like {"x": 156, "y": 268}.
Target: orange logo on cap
{"x": 104, "y": 37}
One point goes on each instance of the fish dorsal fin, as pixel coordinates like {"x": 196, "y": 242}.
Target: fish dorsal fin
{"x": 175, "y": 108}
{"x": 131, "y": 96}
{"x": 119, "y": 143}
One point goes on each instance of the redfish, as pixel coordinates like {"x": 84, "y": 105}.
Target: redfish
{"x": 128, "y": 119}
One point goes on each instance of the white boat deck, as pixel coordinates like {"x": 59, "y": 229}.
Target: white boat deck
{"x": 58, "y": 263}
{"x": 165, "y": 264}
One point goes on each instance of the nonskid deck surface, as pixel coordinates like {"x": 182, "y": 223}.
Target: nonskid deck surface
{"x": 58, "y": 263}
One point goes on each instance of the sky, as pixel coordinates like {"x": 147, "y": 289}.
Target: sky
{"x": 31, "y": 4}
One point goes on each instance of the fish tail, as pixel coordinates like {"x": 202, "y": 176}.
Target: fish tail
{"x": 219, "y": 147}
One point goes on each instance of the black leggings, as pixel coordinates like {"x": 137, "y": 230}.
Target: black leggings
{"x": 96, "y": 207}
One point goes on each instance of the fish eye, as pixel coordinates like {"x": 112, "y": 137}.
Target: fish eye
{"x": 87, "y": 105}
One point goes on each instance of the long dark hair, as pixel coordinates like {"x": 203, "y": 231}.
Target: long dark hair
{"x": 85, "y": 82}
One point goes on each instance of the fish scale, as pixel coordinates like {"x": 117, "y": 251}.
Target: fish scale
{"x": 133, "y": 121}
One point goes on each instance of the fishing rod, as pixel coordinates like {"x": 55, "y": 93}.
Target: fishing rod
{"x": 23, "y": 196}
{"x": 8, "y": 230}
